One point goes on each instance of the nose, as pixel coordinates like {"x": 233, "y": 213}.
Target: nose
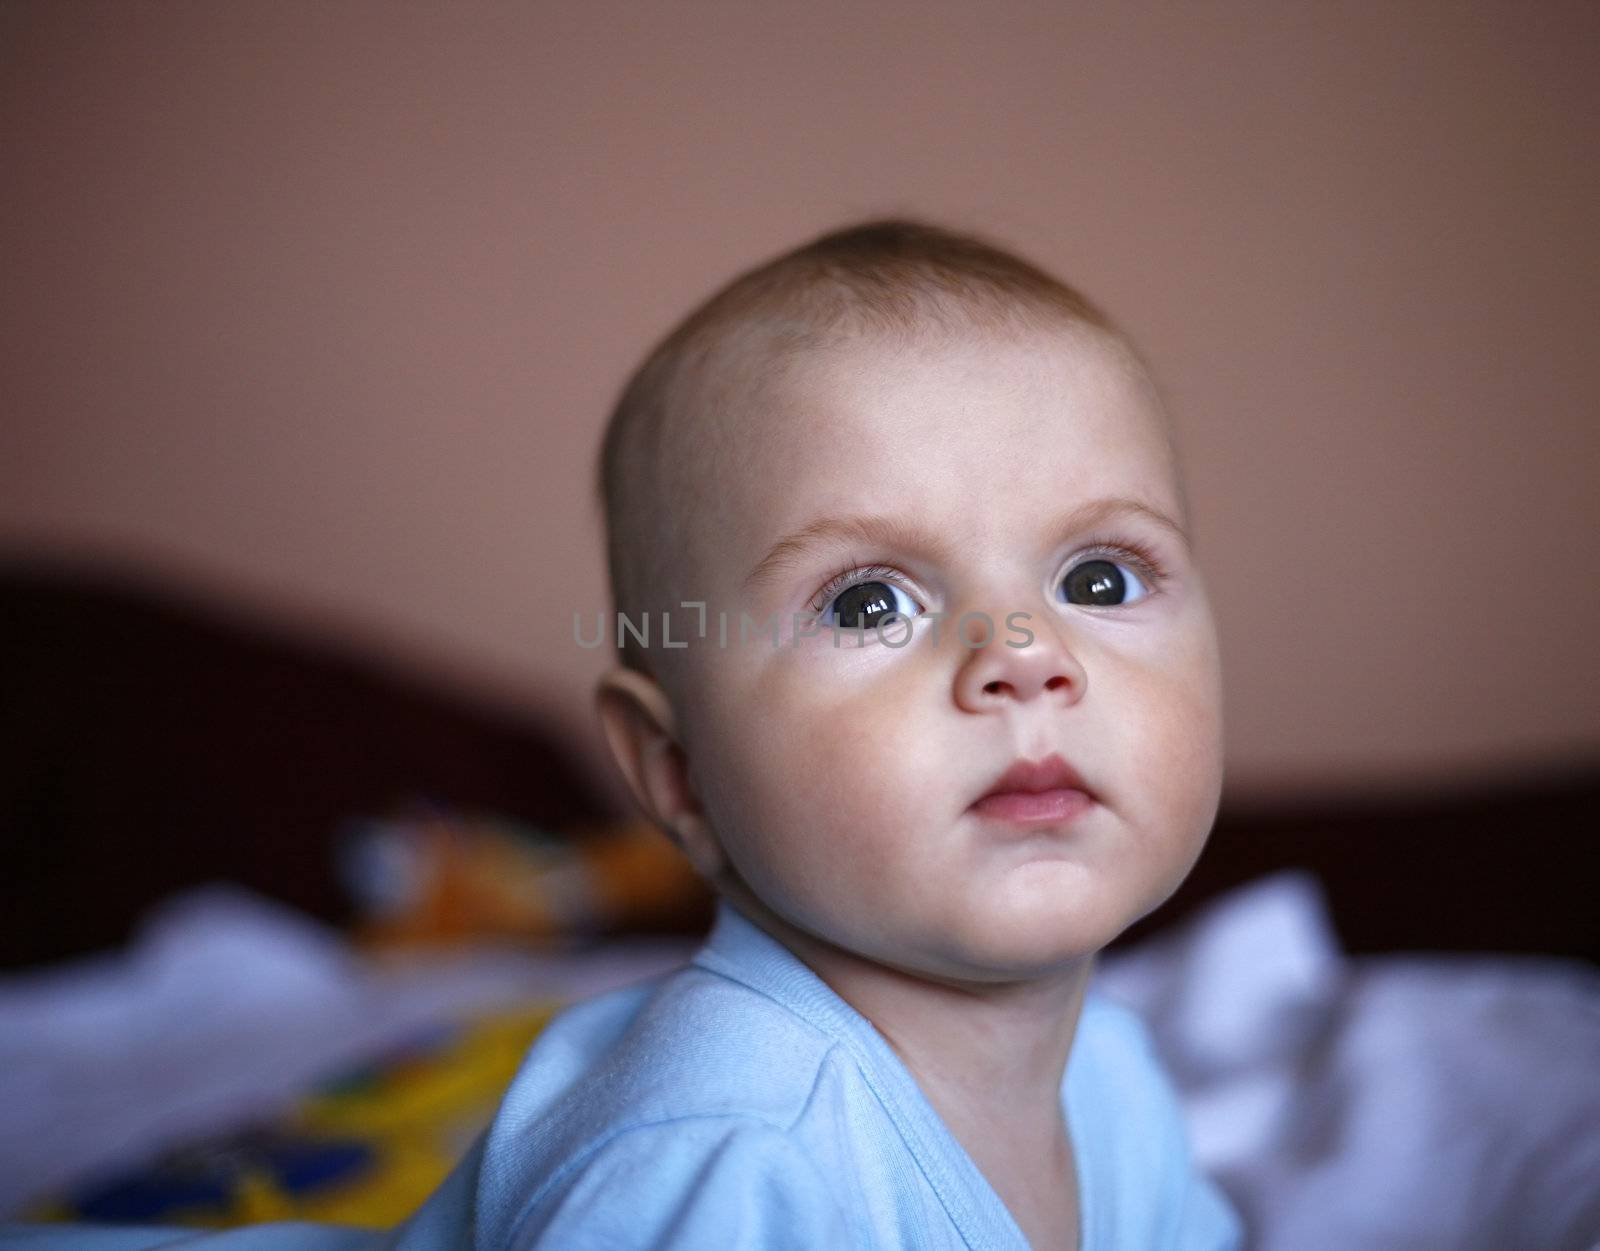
{"x": 1001, "y": 674}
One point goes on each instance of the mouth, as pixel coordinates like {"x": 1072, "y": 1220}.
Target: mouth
{"x": 1035, "y": 793}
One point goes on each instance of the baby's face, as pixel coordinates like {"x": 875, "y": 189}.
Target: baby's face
{"x": 843, "y": 776}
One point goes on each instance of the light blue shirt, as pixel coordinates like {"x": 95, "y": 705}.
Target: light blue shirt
{"x": 740, "y": 1103}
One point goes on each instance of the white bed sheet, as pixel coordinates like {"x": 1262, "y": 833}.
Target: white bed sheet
{"x": 1394, "y": 1102}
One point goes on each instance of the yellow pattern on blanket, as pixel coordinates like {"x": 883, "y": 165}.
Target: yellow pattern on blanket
{"x": 364, "y": 1148}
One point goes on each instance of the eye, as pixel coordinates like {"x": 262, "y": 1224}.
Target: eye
{"x": 1100, "y": 582}
{"x": 862, "y": 605}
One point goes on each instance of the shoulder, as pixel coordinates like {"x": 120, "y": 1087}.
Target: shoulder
{"x": 1121, "y": 1100}
{"x": 688, "y": 1099}
{"x": 1128, "y": 1110}
{"x": 690, "y": 1043}
{"x": 702, "y": 1181}
{"x": 1114, "y": 1046}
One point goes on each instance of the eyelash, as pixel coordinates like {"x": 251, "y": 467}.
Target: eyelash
{"x": 1129, "y": 551}
{"x": 848, "y": 577}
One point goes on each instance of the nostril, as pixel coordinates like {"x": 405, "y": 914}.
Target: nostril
{"x": 1055, "y": 683}
{"x": 993, "y": 688}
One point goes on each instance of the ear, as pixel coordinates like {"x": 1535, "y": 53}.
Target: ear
{"x": 641, "y": 731}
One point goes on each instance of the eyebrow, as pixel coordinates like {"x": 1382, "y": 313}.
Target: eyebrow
{"x": 893, "y": 532}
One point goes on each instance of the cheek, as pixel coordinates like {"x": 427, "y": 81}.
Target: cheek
{"x": 1191, "y": 739}
{"x": 834, "y": 780}
{"x": 1172, "y": 735}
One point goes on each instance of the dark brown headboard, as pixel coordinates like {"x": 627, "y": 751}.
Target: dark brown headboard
{"x": 150, "y": 741}
{"x": 1511, "y": 865}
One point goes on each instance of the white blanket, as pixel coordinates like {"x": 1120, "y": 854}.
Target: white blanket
{"x": 1395, "y": 1102}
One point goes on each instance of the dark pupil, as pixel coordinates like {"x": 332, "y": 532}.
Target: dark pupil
{"x": 863, "y": 605}
{"x": 1096, "y": 582}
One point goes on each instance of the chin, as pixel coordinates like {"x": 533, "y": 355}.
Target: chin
{"x": 1041, "y": 932}
{"x": 1009, "y": 951}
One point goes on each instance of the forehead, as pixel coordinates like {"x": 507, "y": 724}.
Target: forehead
{"x": 971, "y": 436}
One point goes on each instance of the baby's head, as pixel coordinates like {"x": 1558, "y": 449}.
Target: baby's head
{"x": 895, "y": 419}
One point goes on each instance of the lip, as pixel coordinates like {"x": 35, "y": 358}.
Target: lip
{"x": 1036, "y": 792}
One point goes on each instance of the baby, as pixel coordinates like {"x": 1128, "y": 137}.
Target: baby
{"x": 918, "y": 669}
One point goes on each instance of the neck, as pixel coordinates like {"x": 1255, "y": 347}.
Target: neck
{"x": 988, "y": 1055}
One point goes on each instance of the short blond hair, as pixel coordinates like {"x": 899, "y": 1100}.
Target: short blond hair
{"x": 891, "y": 276}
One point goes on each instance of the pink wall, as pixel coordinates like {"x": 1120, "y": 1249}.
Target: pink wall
{"x": 323, "y": 305}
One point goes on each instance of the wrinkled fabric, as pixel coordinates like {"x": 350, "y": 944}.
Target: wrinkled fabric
{"x": 1436, "y": 1102}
